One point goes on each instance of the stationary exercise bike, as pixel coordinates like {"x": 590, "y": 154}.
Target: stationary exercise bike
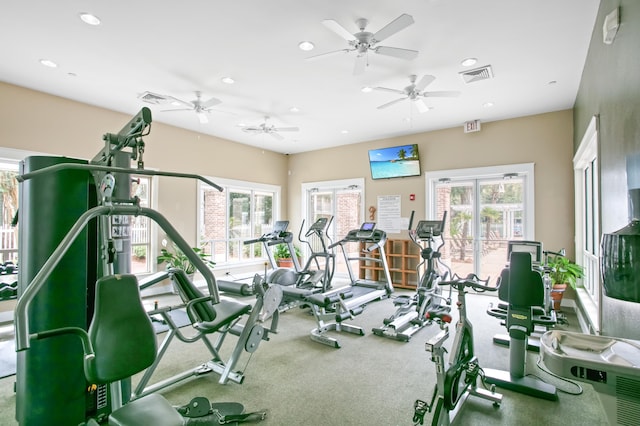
{"x": 417, "y": 311}
{"x": 460, "y": 379}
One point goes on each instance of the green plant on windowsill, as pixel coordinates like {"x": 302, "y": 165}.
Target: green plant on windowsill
{"x": 281, "y": 251}
{"x": 175, "y": 258}
{"x": 564, "y": 271}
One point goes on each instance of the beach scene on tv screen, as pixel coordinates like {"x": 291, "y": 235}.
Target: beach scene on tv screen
{"x": 393, "y": 162}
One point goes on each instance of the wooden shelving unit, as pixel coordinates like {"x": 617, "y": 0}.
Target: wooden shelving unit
{"x": 402, "y": 257}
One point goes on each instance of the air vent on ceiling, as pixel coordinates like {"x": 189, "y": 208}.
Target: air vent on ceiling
{"x": 482, "y": 73}
{"x": 153, "y": 98}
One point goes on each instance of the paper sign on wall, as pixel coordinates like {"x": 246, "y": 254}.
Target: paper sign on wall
{"x": 389, "y": 220}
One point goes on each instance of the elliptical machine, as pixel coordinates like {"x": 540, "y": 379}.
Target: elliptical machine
{"x": 459, "y": 380}
{"x": 417, "y": 311}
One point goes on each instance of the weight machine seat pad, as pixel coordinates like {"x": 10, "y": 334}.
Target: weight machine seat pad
{"x": 226, "y": 312}
{"x": 121, "y": 333}
{"x": 205, "y": 316}
{"x": 152, "y": 409}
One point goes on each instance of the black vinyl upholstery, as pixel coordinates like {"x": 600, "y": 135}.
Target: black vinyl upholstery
{"x": 124, "y": 343}
{"x": 121, "y": 332}
{"x": 205, "y": 316}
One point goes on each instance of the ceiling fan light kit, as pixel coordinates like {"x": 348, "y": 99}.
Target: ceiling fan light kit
{"x": 415, "y": 92}
{"x": 363, "y": 42}
{"x": 197, "y": 105}
{"x": 269, "y": 129}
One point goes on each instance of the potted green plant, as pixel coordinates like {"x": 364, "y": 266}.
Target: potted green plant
{"x": 282, "y": 255}
{"x": 563, "y": 273}
{"x": 175, "y": 258}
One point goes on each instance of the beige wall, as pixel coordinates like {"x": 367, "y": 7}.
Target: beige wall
{"x": 42, "y": 123}
{"x": 545, "y": 139}
{"x": 37, "y": 122}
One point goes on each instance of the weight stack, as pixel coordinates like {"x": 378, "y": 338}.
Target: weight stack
{"x": 50, "y": 381}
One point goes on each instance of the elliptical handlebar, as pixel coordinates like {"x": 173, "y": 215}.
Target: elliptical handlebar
{"x": 471, "y": 280}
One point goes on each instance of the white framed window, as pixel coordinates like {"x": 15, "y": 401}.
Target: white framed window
{"x": 242, "y": 211}
{"x": 143, "y": 230}
{"x": 8, "y": 211}
{"x": 487, "y": 207}
{"x": 587, "y": 221}
{"x": 341, "y": 199}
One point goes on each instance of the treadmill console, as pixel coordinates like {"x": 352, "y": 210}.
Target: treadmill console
{"x": 429, "y": 228}
{"x": 280, "y": 226}
{"x": 366, "y": 230}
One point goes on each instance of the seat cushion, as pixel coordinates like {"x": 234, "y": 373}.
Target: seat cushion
{"x": 150, "y": 410}
{"x": 226, "y": 312}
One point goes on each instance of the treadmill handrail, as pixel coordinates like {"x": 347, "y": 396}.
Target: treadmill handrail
{"x": 21, "y": 321}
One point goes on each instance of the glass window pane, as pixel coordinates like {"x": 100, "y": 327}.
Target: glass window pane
{"x": 140, "y": 227}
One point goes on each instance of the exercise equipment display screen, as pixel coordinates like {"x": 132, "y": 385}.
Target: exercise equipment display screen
{"x": 366, "y": 230}
{"x": 280, "y": 226}
{"x": 534, "y": 248}
{"x": 427, "y": 228}
{"x": 368, "y": 226}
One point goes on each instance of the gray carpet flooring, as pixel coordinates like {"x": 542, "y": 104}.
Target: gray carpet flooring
{"x": 370, "y": 380}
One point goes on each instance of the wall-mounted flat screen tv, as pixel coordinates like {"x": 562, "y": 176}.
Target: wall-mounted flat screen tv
{"x": 397, "y": 161}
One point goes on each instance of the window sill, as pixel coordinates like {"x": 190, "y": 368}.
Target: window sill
{"x": 588, "y": 312}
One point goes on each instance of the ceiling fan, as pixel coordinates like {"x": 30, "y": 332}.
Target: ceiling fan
{"x": 362, "y": 42}
{"x": 269, "y": 129}
{"x": 415, "y": 93}
{"x": 201, "y": 108}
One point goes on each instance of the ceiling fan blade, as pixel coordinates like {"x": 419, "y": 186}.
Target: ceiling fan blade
{"x": 386, "y": 89}
{"x": 396, "y": 52}
{"x": 177, "y": 102}
{"x": 441, "y": 94}
{"x": 312, "y": 58}
{"x": 211, "y": 102}
{"x": 424, "y": 82}
{"x": 286, "y": 129}
{"x": 388, "y": 104}
{"x": 202, "y": 117}
{"x": 177, "y": 109}
{"x": 252, "y": 129}
{"x": 338, "y": 29}
{"x": 276, "y": 136}
{"x": 400, "y": 23}
{"x": 360, "y": 64}
{"x": 422, "y": 107}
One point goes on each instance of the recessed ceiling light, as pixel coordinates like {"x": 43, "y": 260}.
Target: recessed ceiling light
{"x": 228, "y": 80}
{"x": 469, "y": 62}
{"x": 487, "y": 104}
{"x": 367, "y": 89}
{"x": 344, "y": 132}
{"x": 48, "y": 63}
{"x": 90, "y": 19}
{"x": 294, "y": 109}
{"x": 306, "y": 46}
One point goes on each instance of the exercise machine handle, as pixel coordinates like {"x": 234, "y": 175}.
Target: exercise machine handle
{"x": 471, "y": 280}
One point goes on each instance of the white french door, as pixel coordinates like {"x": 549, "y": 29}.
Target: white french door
{"x": 344, "y": 201}
{"x": 486, "y": 207}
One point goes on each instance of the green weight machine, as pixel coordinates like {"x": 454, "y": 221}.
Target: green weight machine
{"x": 74, "y": 232}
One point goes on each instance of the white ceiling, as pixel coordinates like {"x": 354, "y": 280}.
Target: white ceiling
{"x": 175, "y": 48}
